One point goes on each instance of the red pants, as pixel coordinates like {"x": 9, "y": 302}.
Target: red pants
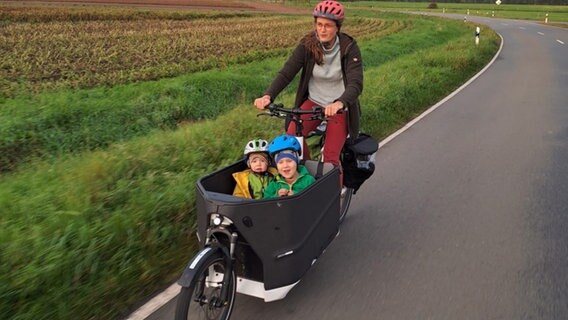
{"x": 335, "y": 136}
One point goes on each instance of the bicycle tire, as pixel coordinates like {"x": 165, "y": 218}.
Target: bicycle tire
{"x": 192, "y": 307}
{"x": 344, "y": 203}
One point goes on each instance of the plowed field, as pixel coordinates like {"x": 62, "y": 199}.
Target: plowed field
{"x": 189, "y": 4}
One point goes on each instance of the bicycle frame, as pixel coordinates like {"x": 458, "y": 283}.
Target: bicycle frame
{"x": 294, "y": 115}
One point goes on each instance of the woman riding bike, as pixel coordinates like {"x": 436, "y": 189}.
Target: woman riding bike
{"x": 332, "y": 77}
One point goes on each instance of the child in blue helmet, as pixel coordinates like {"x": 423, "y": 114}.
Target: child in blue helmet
{"x": 292, "y": 177}
{"x": 252, "y": 182}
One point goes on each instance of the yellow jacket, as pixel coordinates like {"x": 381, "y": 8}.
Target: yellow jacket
{"x": 243, "y": 187}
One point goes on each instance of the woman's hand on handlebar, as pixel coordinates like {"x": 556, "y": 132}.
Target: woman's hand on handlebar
{"x": 262, "y": 102}
{"x": 331, "y": 109}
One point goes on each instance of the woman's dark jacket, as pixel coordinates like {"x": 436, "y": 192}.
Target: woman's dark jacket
{"x": 352, "y": 68}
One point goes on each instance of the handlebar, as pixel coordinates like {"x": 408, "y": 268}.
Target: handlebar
{"x": 278, "y": 110}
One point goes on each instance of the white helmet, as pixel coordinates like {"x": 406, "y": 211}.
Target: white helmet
{"x": 256, "y": 145}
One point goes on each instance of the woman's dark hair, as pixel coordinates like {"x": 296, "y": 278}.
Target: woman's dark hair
{"x": 312, "y": 43}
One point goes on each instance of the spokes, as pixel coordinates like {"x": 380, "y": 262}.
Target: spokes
{"x": 210, "y": 310}
{"x": 205, "y": 306}
{"x": 207, "y": 298}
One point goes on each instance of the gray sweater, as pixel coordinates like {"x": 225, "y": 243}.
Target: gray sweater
{"x": 326, "y": 84}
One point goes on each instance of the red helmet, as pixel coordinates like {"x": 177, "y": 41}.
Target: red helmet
{"x": 331, "y": 10}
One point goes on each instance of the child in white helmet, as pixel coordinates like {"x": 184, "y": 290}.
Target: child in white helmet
{"x": 252, "y": 182}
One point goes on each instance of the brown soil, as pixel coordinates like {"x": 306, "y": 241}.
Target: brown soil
{"x": 235, "y": 5}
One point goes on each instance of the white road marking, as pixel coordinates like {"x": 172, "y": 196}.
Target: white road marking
{"x": 505, "y": 24}
{"x": 559, "y": 41}
{"x": 434, "y": 107}
{"x": 156, "y": 303}
{"x": 542, "y": 34}
{"x": 522, "y": 28}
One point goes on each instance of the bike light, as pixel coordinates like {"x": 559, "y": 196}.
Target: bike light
{"x": 217, "y": 220}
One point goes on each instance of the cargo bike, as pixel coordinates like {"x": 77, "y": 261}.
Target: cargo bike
{"x": 260, "y": 248}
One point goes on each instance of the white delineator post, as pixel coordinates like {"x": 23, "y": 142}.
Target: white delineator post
{"x": 477, "y": 32}
{"x": 546, "y": 18}
{"x": 498, "y": 2}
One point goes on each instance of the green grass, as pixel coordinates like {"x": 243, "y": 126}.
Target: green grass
{"x": 404, "y": 87}
{"x": 87, "y": 235}
{"x": 58, "y": 123}
{"x": 509, "y": 11}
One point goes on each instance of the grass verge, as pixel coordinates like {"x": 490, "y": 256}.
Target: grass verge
{"x": 556, "y": 13}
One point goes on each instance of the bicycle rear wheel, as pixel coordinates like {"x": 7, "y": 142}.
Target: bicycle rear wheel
{"x": 202, "y": 299}
{"x": 315, "y": 144}
{"x": 345, "y": 201}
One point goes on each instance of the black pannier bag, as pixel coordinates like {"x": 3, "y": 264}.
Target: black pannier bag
{"x": 358, "y": 160}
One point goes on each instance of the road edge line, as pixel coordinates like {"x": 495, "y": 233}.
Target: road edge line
{"x": 155, "y": 303}
{"x": 451, "y": 95}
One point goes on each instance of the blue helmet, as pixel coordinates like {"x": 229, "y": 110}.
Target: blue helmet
{"x": 284, "y": 142}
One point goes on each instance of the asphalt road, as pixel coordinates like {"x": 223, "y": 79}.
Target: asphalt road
{"x": 467, "y": 214}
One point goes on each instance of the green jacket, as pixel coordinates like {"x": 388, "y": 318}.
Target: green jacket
{"x": 252, "y": 185}
{"x": 303, "y": 181}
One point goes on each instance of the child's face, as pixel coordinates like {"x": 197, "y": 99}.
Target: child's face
{"x": 288, "y": 168}
{"x": 258, "y": 163}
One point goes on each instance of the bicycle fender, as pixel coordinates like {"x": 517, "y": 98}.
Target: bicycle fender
{"x": 196, "y": 263}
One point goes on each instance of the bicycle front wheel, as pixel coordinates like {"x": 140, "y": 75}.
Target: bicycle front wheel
{"x": 202, "y": 299}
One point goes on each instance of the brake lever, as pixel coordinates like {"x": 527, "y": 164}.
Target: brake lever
{"x": 318, "y": 113}
{"x": 271, "y": 113}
